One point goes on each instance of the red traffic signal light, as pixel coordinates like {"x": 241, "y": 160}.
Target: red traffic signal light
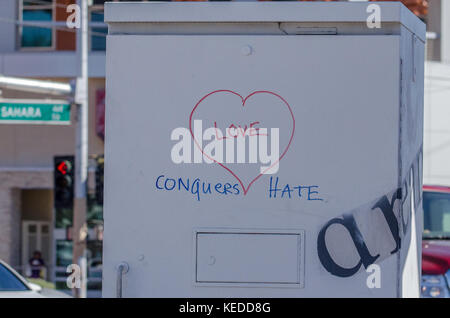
{"x": 63, "y": 167}
{"x": 63, "y": 182}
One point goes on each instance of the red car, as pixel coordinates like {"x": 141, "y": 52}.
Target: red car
{"x": 436, "y": 242}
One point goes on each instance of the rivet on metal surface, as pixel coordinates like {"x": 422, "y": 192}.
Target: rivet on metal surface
{"x": 246, "y": 50}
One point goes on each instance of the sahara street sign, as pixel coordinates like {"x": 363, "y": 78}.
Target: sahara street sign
{"x": 34, "y": 112}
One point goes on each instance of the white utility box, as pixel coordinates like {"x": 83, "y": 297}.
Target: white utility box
{"x": 263, "y": 149}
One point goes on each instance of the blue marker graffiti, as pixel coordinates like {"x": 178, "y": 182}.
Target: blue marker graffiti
{"x": 309, "y": 193}
{"x": 195, "y": 186}
{"x": 199, "y": 188}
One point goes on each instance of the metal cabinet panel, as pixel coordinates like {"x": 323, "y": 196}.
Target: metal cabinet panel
{"x": 344, "y": 95}
{"x": 249, "y": 258}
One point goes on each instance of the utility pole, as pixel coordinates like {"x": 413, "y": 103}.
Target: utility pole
{"x": 81, "y": 157}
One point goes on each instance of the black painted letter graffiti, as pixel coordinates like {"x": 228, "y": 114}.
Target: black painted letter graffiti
{"x": 324, "y": 255}
{"x": 388, "y": 211}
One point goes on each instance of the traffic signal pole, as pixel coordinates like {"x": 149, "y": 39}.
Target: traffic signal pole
{"x": 81, "y": 156}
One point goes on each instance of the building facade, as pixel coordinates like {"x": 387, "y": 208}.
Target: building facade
{"x": 35, "y": 43}
{"x": 436, "y": 168}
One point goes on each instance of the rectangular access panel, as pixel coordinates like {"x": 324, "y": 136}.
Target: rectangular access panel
{"x": 249, "y": 259}
{"x": 247, "y": 157}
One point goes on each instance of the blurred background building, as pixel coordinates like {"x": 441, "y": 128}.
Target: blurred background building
{"x": 47, "y": 51}
{"x": 36, "y": 43}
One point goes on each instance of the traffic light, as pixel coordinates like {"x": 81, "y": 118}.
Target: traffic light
{"x": 99, "y": 180}
{"x": 64, "y": 181}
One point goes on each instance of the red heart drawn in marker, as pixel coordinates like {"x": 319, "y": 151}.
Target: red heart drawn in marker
{"x": 244, "y": 100}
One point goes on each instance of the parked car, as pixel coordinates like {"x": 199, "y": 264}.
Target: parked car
{"x": 12, "y": 285}
{"x": 436, "y": 242}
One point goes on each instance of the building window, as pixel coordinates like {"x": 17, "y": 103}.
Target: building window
{"x": 42, "y": 25}
{"x": 98, "y": 29}
{"x": 36, "y": 13}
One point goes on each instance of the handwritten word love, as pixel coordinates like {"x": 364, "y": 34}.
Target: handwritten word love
{"x": 234, "y": 132}
{"x": 251, "y": 149}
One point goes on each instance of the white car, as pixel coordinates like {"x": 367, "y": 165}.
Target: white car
{"x": 12, "y": 285}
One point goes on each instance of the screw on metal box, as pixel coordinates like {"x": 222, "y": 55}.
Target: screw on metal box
{"x": 246, "y": 50}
